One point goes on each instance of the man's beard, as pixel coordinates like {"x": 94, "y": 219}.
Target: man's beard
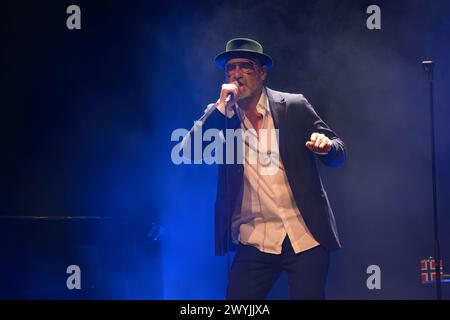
{"x": 248, "y": 93}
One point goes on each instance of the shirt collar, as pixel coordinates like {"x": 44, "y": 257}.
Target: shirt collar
{"x": 263, "y": 103}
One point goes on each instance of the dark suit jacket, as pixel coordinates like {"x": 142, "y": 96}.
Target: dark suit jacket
{"x": 296, "y": 120}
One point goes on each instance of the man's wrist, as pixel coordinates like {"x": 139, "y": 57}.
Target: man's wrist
{"x": 221, "y": 108}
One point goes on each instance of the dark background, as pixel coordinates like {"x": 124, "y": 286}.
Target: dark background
{"x": 87, "y": 115}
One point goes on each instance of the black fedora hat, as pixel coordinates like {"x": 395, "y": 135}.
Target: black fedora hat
{"x": 243, "y": 48}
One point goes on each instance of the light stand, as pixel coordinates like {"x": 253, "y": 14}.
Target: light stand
{"x": 428, "y": 67}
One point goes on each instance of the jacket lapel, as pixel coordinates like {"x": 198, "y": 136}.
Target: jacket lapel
{"x": 277, "y": 105}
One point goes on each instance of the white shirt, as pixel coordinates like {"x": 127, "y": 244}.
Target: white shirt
{"x": 268, "y": 211}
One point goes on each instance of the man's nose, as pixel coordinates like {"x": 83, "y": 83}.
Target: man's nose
{"x": 237, "y": 72}
{"x": 237, "y": 77}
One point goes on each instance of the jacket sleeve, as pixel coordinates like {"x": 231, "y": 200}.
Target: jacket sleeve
{"x": 338, "y": 152}
{"x": 195, "y": 142}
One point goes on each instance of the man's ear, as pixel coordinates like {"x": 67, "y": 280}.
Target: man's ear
{"x": 263, "y": 72}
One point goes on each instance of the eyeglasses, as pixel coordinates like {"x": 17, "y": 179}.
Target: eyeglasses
{"x": 246, "y": 67}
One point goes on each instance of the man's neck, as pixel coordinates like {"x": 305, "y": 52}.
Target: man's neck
{"x": 248, "y": 105}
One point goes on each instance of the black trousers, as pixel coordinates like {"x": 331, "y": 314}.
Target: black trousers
{"x": 253, "y": 272}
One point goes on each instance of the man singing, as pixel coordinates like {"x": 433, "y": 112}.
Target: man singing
{"x": 278, "y": 222}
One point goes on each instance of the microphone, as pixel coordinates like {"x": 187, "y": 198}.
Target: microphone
{"x": 228, "y": 98}
{"x": 230, "y": 95}
{"x": 208, "y": 111}
{"x": 211, "y": 107}
{"x": 428, "y": 67}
